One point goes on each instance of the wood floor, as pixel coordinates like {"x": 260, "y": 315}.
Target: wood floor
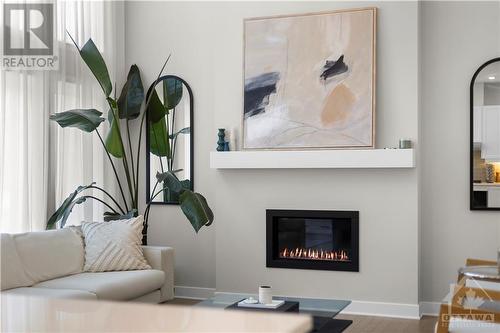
{"x": 366, "y": 324}
{"x": 363, "y": 324}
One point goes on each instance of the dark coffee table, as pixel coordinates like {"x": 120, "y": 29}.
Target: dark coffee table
{"x": 322, "y": 310}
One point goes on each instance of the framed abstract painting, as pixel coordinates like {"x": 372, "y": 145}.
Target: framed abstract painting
{"x": 309, "y": 81}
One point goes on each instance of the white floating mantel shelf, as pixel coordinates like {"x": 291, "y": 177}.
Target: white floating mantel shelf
{"x": 314, "y": 159}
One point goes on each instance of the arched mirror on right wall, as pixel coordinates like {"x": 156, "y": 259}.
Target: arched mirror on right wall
{"x": 485, "y": 137}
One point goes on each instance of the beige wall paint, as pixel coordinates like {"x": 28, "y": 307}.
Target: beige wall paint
{"x": 206, "y": 44}
{"x": 457, "y": 37}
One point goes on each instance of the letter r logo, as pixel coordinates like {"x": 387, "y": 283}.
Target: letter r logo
{"x": 28, "y": 29}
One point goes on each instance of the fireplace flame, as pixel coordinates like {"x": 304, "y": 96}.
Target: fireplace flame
{"x": 314, "y": 254}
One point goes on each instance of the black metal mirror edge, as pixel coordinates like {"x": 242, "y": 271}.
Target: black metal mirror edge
{"x": 471, "y": 139}
{"x": 191, "y": 141}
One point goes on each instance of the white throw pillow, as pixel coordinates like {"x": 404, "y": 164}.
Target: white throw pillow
{"x": 114, "y": 245}
{"x": 50, "y": 254}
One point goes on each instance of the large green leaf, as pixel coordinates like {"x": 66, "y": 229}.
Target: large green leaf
{"x": 111, "y": 216}
{"x": 172, "y": 92}
{"x": 159, "y": 144}
{"x": 156, "y": 109}
{"x": 196, "y": 209}
{"x": 132, "y": 95}
{"x": 65, "y": 206}
{"x": 169, "y": 181}
{"x": 186, "y": 184}
{"x": 113, "y": 140}
{"x": 93, "y": 58}
{"x": 69, "y": 209}
{"x": 185, "y": 130}
{"x": 85, "y": 119}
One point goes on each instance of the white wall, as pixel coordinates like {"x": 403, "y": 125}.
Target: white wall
{"x": 457, "y": 37}
{"x": 206, "y": 43}
{"x": 154, "y": 30}
{"x": 388, "y": 223}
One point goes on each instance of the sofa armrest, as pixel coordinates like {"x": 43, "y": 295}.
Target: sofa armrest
{"x": 162, "y": 258}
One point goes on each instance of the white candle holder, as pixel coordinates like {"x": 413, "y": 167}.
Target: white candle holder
{"x": 265, "y": 295}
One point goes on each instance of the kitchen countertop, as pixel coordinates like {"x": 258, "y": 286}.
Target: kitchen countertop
{"x": 486, "y": 184}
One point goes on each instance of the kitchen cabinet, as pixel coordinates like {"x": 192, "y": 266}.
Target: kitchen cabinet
{"x": 490, "y": 133}
{"x": 494, "y": 196}
{"x": 478, "y": 124}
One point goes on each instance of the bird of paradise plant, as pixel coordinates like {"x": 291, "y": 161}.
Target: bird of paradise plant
{"x": 130, "y": 105}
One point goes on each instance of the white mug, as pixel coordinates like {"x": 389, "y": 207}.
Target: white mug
{"x": 265, "y": 295}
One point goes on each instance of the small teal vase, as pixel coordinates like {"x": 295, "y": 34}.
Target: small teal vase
{"x": 221, "y": 141}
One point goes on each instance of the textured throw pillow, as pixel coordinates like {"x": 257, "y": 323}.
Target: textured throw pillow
{"x": 114, "y": 246}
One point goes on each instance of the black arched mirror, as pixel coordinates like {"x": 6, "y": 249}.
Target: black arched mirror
{"x": 485, "y": 137}
{"x": 169, "y": 136}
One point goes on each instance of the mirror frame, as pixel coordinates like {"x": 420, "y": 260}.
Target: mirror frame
{"x": 471, "y": 138}
{"x": 191, "y": 144}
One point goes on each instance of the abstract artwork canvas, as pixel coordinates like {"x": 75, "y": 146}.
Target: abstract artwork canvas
{"x": 310, "y": 81}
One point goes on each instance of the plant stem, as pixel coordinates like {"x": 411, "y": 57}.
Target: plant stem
{"x": 101, "y": 201}
{"x": 158, "y": 145}
{"x": 146, "y": 214}
{"x": 124, "y": 159}
{"x": 142, "y": 126}
{"x": 129, "y": 183}
{"x": 172, "y": 147}
{"x": 169, "y": 152}
{"x": 114, "y": 169}
{"x": 110, "y": 196}
{"x": 131, "y": 156}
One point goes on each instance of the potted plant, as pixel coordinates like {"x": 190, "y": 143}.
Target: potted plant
{"x": 129, "y": 106}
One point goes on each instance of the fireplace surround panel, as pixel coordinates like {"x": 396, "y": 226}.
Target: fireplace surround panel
{"x": 312, "y": 239}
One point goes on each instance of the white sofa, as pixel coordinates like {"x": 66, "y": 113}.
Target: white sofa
{"x": 50, "y": 263}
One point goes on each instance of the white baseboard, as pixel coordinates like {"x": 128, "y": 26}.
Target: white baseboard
{"x": 379, "y": 309}
{"x": 193, "y": 292}
{"x": 429, "y": 308}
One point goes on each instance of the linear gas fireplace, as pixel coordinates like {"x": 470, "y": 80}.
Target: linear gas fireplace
{"x": 313, "y": 239}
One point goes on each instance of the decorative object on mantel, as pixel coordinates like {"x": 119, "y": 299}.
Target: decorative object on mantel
{"x": 404, "y": 143}
{"x": 310, "y": 81}
{"x": 233, "y": 138}
{"x": 129, "y": 106}
{"x": 220, "y": 142}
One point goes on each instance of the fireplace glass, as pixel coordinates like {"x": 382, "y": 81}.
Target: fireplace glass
{"x": 326, "y": 240}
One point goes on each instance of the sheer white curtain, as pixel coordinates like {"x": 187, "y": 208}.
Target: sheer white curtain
{"x": 41, "y": 164}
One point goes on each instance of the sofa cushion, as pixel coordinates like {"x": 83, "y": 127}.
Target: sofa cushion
{"x": 50, "y": 254}
{"x": 51, "y": 293}
{"x": 118, "y": 286}
{"x": 12, "y": 271}
{"x": 114, "y": 245}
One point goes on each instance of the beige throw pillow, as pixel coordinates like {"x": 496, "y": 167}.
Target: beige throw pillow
{"x": 114, "y": 245}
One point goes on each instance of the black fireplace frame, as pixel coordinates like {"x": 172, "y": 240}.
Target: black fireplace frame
{"x": 272, "y": 259}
